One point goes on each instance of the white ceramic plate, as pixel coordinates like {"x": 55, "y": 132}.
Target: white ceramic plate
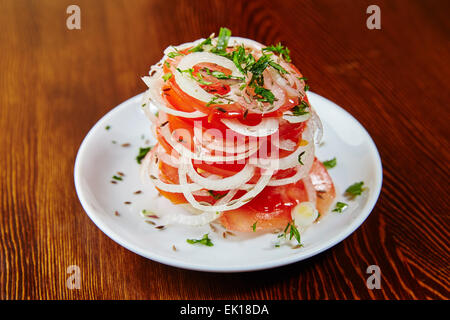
{"x": 99, "y": 159}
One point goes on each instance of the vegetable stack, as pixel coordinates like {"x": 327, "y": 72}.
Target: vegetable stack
{"x": 235, "y": 135}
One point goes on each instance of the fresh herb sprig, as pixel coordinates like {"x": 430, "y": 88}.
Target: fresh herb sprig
{"x": 355, "y": 189}
{"x": 142, "y": 153}
{"x": 340, "y": 206}
{"x": 282, "y": 51}
{"x": 330, "y": 163}
{"x": 204, "y": 241}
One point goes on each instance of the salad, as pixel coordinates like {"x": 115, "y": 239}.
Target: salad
{"x": 236, "y": 137}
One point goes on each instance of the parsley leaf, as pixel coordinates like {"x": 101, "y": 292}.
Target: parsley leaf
{"x": 167, "y": 76}
{"x": 330, "y": 163}
{"x": 340, "y": 206}
{"x": 199, "y": 47}
{"x": 300, "y": 158}
{"x": 216, "y": 196}
{"x": 301, "y": 109}
{"x": 142, "y": 153}
{"x": 222, "y": 41}
{"x": 282, "y": 51}
{"x": 254, "y": 226}
{"x": 279, "y": 68}
{"x": 264, "y": 95}
{"x": 205, "y": 241}
{"x": 355, "y": 189}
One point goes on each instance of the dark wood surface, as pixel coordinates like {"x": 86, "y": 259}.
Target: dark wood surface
{"x": 56, "y": 83}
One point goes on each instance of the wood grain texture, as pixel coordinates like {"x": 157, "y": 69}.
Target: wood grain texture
{"x": 55, "y": 84}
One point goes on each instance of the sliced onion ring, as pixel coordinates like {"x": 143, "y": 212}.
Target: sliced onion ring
{"x": 266, "y": 127}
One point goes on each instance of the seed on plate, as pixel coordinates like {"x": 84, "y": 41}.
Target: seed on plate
{"x": 113, "y": 182}
{"x": 127, "y": 202}
{"x": 230, "y": 233}
{"x": 214, "y": 229}
{"x": 126, "y": 145}
{"x": 174, "y": 248}
{"x": 224, "y": 234}
{"x": 120, "y": 173}
{"x": 116, "y": 213}
{"x": 138, "y": 192}
{"x": 160, "y": 227}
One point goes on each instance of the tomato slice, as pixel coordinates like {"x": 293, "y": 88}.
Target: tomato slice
{"x": 271, "y": 208}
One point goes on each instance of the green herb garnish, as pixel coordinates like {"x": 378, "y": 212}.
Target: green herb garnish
{"x": 282, "y": 51}
{"x": 142, "y": 153}
{"x": 167, "y": 76}
{"x": 199, "y": 47}
{"x": 174, "y": 54}
{"x": 300, "y": 158}
{"x": 254, "y": 226}
{"x": 117, "y": 178}
{"x": 264, "y": 95}
{"x": 222, "y": 40}
{"x": 301, "y": 109}
{"x": 340, "y": 206}
{"x": 214, "y": 100}
{"x": 277, "y": 67}
{"x": 107, "y": 127}
{"x": 216, "y": 196}
{"x": 205, "y": 241}
{"x": 355, "y": 189}
{"x": 330, "y": 163}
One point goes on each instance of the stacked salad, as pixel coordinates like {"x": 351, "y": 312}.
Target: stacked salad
{"x": 236, "y": 136}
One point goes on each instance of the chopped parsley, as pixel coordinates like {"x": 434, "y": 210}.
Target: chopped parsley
{"x": 290, "y": 231}
{"x": 355, "y": 189}
{"x": 199, "y": 47}
{"x": 254, "y": 226}
{"x": 301, "y": 109}
{"x": 340, "y": 206}
{"x": 277, "y": 67}
{"x": 214, "y": 100}
{"x": 107, "y": 127}
{"x": 142, "y": 153}
{"x": 222, "y": 40}
{"x": 216, "y": 196}
{"x": 174, "y": 54}
{"x": 117, "y": 178}
{"x": 330, "y": 163}
{"x": 282, "y": 51}
{"x": 300, "y": 158}
{"x": 167, "y": 76}
{"x": 205, "y": 241}
{"x": 264, "y": 95}
{"x": 197, "y": 77}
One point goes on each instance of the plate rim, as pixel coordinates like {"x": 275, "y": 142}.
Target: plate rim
{"x": 113, "y": 235}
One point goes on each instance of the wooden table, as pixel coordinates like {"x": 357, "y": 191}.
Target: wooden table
{"x": 56, "y": 83}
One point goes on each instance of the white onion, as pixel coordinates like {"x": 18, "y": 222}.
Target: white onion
{"x": 291, "y": 160}
{"x": 233, "y": 204}
{"x": 202, "y": 218}
{"x": 266, "y": 127}
{"x": 290, "y": 117}
{"x": 201, "y": 155}
{"x": 222, "y": 184}
{"x": 148, "y": 169}
{"x": 285, "y": 144}
{"x": 189, "y": 85}
{"x": 155, "y": 84}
